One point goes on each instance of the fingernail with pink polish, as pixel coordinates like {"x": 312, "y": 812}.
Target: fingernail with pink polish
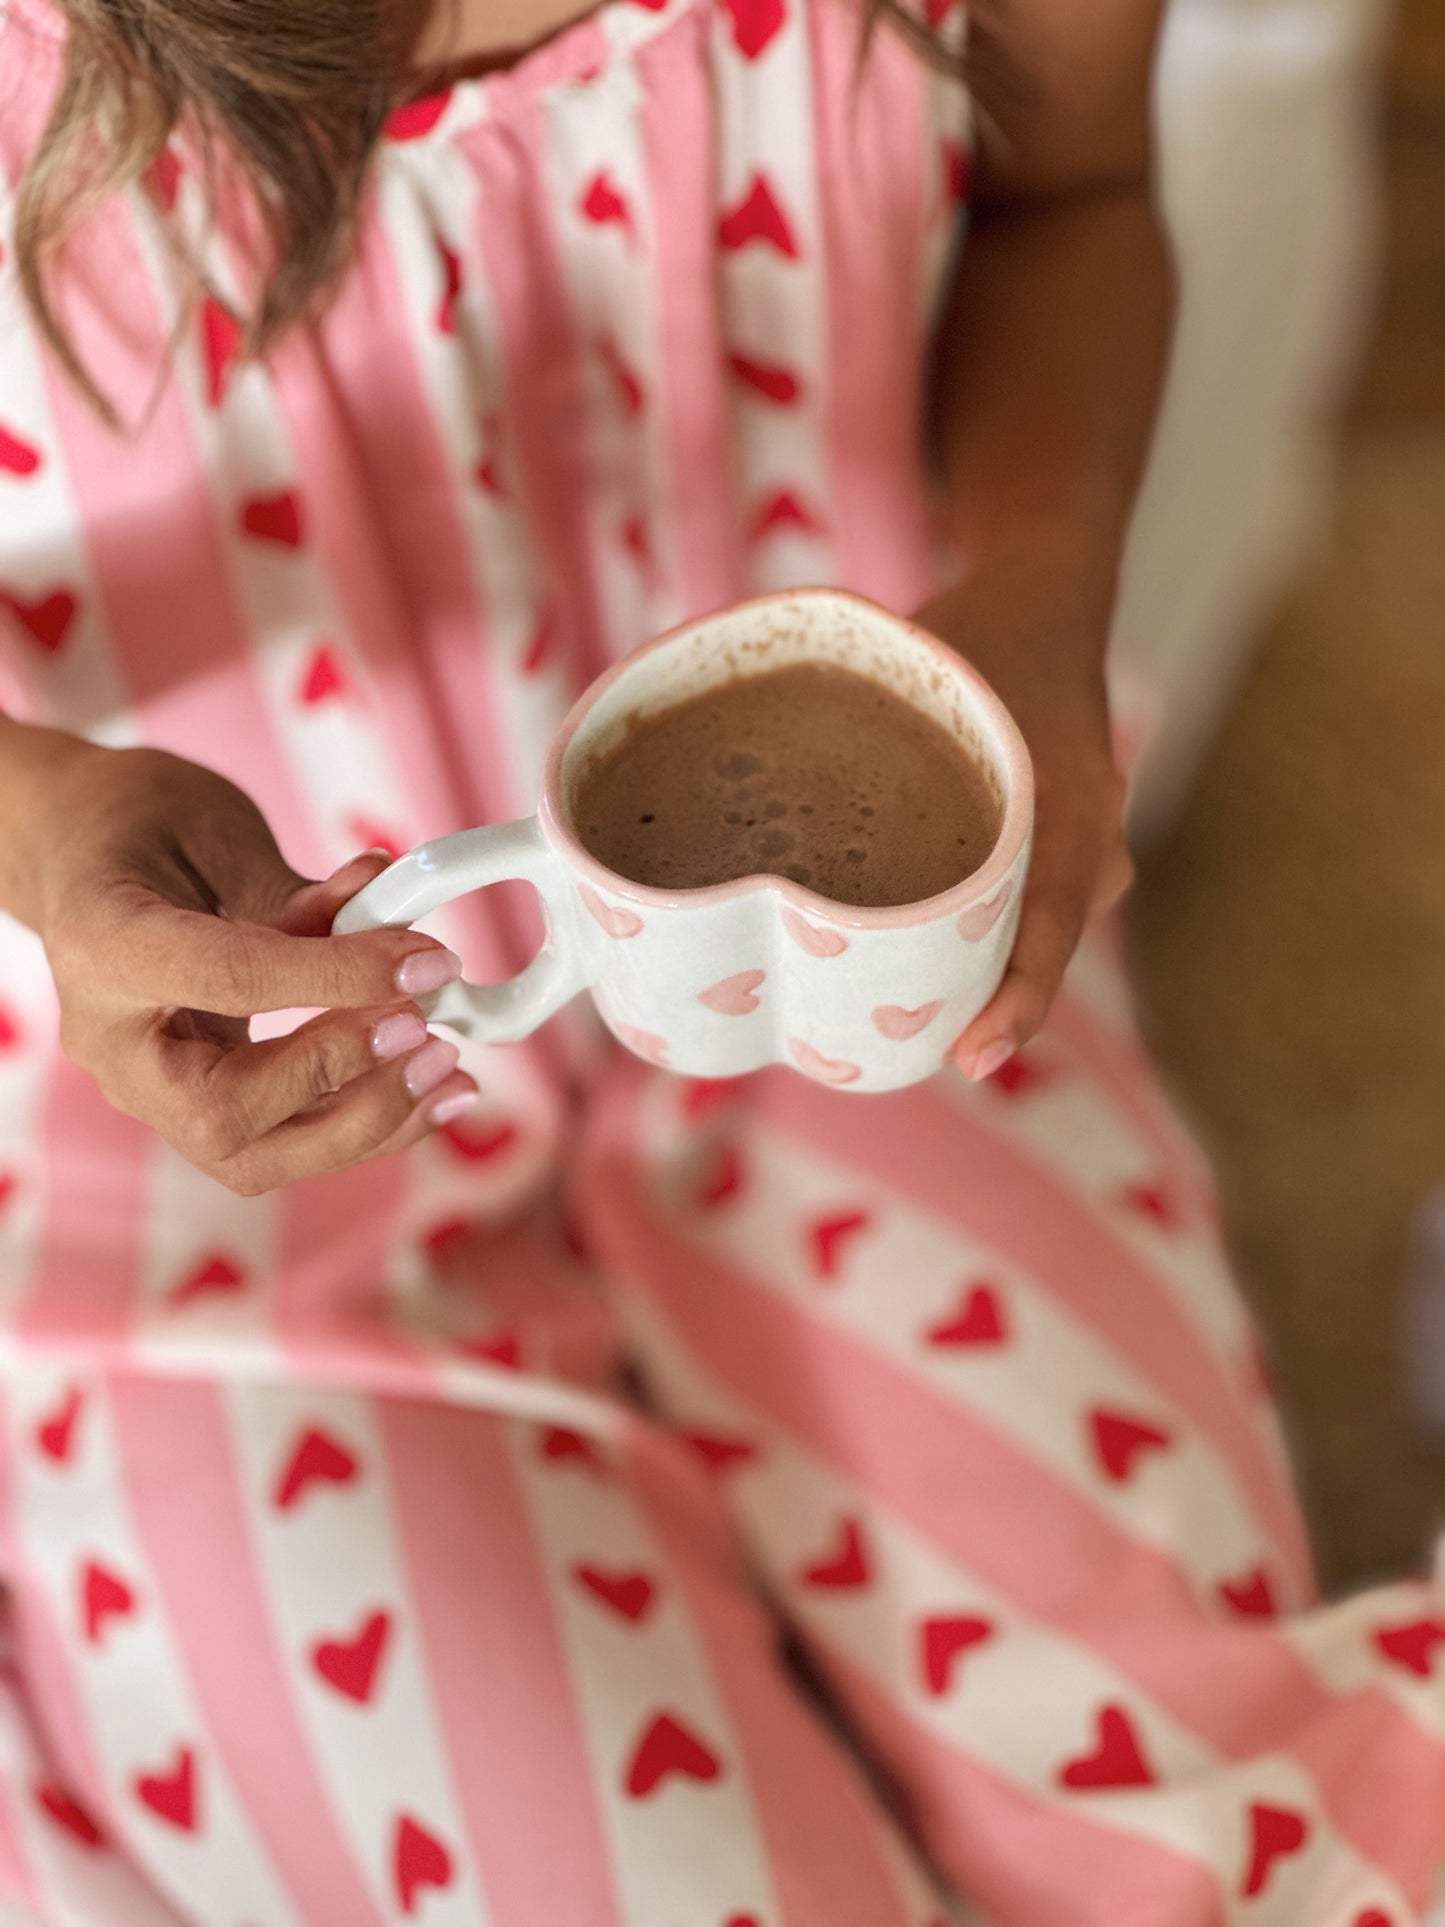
{"x": 427, "y": 970}
{"x": 394, "y": 1036}
{"x": 447, "y": 1108}
{"x": 990, "y": 1060}
{"x": 433, "y": 1063}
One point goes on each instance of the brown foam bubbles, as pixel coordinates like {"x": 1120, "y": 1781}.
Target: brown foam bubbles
{"x": 806, "y": 771}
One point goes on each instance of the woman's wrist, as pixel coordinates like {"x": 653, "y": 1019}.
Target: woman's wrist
{"x": 36, "y": 767}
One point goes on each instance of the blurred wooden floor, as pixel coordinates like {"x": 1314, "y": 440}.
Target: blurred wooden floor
{"x": 1291, "y": 934}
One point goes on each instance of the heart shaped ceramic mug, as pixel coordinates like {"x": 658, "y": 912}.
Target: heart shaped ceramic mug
{"x": 724, "y": 979}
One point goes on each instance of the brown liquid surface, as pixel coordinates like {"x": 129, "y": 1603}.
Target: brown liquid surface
{"x": 808, "y": 772}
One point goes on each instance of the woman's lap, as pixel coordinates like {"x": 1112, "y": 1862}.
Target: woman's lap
{"x": 959, "y": 1376}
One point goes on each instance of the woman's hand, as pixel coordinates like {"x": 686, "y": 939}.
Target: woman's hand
{"x": 170, "y": 918}
{"x": 1009, "y": 625}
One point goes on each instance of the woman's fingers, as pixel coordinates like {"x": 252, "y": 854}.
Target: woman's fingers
{"x": 381, "y": 1111}
{"x": 223, "y": 1099}
{"x": 161, "y": 957}
{"x": 1068, "y": 888}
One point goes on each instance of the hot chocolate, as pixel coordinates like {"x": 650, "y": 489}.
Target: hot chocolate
{"x": 808, "y": 772}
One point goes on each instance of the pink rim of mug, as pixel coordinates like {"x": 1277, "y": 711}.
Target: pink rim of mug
{"x": 1007, "y": 744}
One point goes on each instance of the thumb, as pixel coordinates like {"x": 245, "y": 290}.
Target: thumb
{"x": 310, "y": 908}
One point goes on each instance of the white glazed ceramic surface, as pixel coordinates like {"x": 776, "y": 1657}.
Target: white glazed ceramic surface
{"x": 723, "y": 980}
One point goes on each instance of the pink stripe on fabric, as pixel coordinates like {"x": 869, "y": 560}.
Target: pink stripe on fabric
{"x": 1120, "y": 1068}
{"x": 917, "y": 1144}
{"x": 915, "y": 1452}
{"x": 679, "y": 132}
{"x": 818, "y": 1823}
{"x": 17, "y": 1881}
{"x": 501, "y": 1685}
{"x": 370, "y": 344}
{"x": 1028, "y": 1860}
{"x": 332, "y": 1308}
{"x": 175, "y": 1459}
{"x": 95, "y": 1173}
{"x": 540, "y": 357}
{"x": 869, "y": 145}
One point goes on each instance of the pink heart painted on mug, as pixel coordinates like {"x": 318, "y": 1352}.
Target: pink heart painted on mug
{"x": 735, "y": 996}
{"x": 898, "y": 1025}
{"x": 816, "y": 939}
{"x": 614, "y": 919}
{"x": 646, "y": 1043}
{"x": 975, "y": 923}
{"x": 827, "y": 1070}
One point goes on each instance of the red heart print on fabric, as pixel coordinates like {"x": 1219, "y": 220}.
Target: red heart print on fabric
{"x": 322, "y": 678}
{"x": 1118, "y": 1441}
{"x": 55, "y": 1434}
{"x": 957, "y": 172}
{"x": 368, "y": 834}
{"x": 755, "y": 23}
{"x": 1275, "y": 1832}
{"x": 816, "y": 939}
{"x": 725, "y": 1180}
{"x": 975, "y": 923}
{"x": 542, "y": 647}
{"x": 10, "y": 1036}
{"x": 417, "y": 117}
{"x": 315, "y": 1459}
{"x": 638, "y": 543}
{"x": 351, "y": 1665}
{"x": 446, "y": 314}
{"x": 561, "y": 1444}
{"x": 171, "y": 1796}
{"x": 1153, "y": 1202}
{"x": 618, "y": 921}
{"x": 735, "y": 996}
{"x": 443, "y": 1240}
{"x": 17, "y": 457}
{"x": 668, "y": 1747}
{"x": 775, "y": 384}
{"x": 721, "y": 1454}
{"x": 942, "y": 1640}
{"x": 1372, "y": 1917}
{"x": 703, "y": 1095}
{"x": 69, "y": 1814}
{"x": 1019, "y": 1076}
{"x": 757, "y": 219}
{"x": 505, "y": 1351}
{"x": 274, "y": 518}
{"x": 47, "y": 622}
{"x": 220, "y": 344}
{"x": 629, "y": 1594}
{"x": 103, "y": 1596}
{"x": 478, "y": 1144}
{"x": 7, "y": 1188}
{"x": 1251, "y": 1595}
{"x": 602, "y": 205}
{"x": 898, "y": 1025}
{"x": 212, "y": 1275}
{"x": 1412, "y": 1646}
{"x": 163, "y": 180}
{"x": 785, "y": 513}
{"x": 845, "y": 1568}
{"x": 937, "y": 11}
{"x": 624, "y": 379}
{"x": 829, "y": 1237}
{"x": 1115, "y": 1761}
{"x": 742, "y": 1920}
{"x": 979, "y": 1320}
{"x": 418, "y": 1859}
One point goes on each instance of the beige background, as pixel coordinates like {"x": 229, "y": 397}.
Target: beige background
{"x": 1290, "y": 932}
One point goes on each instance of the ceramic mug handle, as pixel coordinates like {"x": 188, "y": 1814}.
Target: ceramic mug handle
{"x": 450, "y": 866}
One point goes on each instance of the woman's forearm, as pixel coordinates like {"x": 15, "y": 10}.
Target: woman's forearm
{"x": 1050, "y": 363}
